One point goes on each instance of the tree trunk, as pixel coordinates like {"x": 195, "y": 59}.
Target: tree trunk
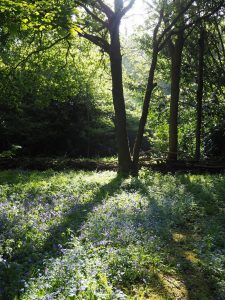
{"x": 145, "y": 109}
{"x": 199, "y": 95}
{"x": 124, "y": 157}
{"x": 176, "y": 61}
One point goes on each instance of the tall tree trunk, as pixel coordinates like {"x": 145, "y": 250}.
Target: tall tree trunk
{"x": 124, "y": 157}
{"x": 176, "y": 61}
{"x": 145, "y": 108}
{"x": 199, "y": 95}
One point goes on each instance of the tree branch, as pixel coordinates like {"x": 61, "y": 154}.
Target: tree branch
{"x": 220, "y": 37}
{"x": 173, "y": 23}
{"x": 96, "y": 18}
{"x": 40, "y": 50}
{"x": 172, "y": 32}
{"x": 127, "y": 8}
{"x": 67, "y": 55}
{"x": 105, "y": 9}
{"x": 98, "y": 41}
{"x": 199, "y": 19}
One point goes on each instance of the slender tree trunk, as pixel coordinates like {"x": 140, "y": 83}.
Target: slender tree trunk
{"x": 199, "y": 95}
{"x": 145, "y": 109}
{"x": 176, "y": 61}
{"x": 124, "y": 157}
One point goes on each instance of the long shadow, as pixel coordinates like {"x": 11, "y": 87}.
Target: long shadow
{"x": 199, "y": 284}
{"x": 209, "y": 198}
{"x": 20, "y": 269}
{"x": 176, "y": 241}
{"x": 177, "y": 246}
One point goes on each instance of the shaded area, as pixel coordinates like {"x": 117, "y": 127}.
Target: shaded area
{"x": 164, "y": 248}
{"x": 185, "y": 166}
{"x": 191, "y": 279}
{"x": 101, "y": 164}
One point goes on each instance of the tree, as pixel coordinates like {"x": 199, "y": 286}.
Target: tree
{"x": 159, "y": 42}
{"x": 199, "y": 95}
{"x": 99, "y": 23}
{"x": 175, "y": 52}
{"x": 203, "y": 12}
{"x": 105, "y": 22}
{"x": 111, "y": 26}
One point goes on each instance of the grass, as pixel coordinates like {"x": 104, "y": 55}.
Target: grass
{"x": 94, "y": 235}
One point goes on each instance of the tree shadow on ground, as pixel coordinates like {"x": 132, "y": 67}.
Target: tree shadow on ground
{"x": 189, "y": 280}
{"x": 21, "y": 269}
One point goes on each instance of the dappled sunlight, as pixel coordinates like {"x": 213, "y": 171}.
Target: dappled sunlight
{"x": 179, "y": 237}
{"x": 174, "y": 286}
{"x": 192, "y": 257}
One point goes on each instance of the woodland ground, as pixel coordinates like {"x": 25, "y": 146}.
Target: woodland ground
{"x": 110, "y": 163}
{"x": 94, "y": 235}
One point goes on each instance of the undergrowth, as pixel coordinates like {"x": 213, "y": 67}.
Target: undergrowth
{"x": 94, "y": 235}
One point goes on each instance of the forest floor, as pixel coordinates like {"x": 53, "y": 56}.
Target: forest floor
{"x": 110, "y": 163}
{"x": 94, "y": 235}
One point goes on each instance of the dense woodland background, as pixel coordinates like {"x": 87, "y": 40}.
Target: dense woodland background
{"x": 56, "y": 82}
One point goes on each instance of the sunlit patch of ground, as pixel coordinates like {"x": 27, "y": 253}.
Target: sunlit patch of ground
{"x": 179, "y": 237}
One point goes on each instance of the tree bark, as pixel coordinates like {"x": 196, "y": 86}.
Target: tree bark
{"x": 124, "y": 157}
{"x": 145, "y": 109}
{"x": 199, "y": 95}
{"x": 176, "y": 61}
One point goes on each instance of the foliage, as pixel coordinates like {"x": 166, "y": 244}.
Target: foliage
{"x": 50, "y": 104}
{"x": 45, "y": 68}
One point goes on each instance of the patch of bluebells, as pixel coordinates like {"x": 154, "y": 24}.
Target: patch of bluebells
{"x": 81, "y": 273}
{"x": 29, "y": 214}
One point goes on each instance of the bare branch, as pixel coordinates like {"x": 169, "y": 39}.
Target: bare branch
{"x": 98, "y": 41}
{"x": 127, "y": 8}
{"x": 96, "y": 18}
{"x": 156, "y": 30}
{"x": 106, "y": 9}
